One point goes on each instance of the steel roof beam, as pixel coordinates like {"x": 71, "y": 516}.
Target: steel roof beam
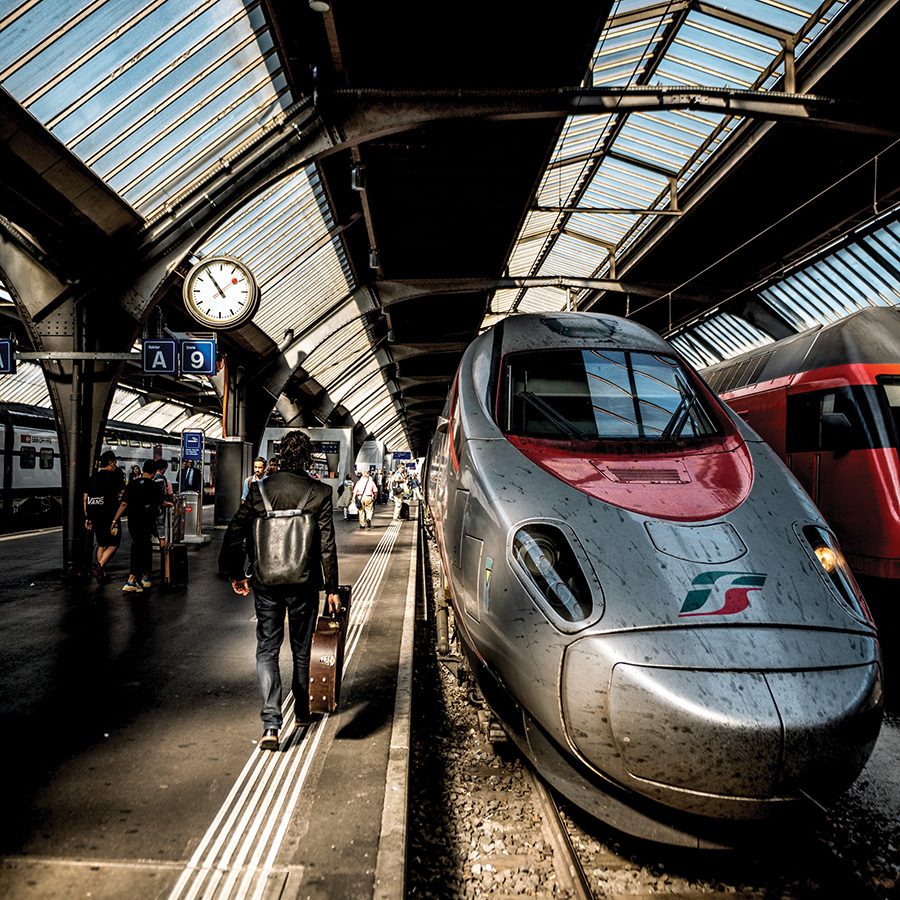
{"x": 378, "y": 113}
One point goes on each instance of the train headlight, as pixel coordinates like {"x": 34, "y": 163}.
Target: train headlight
{"x": 827, "y": 550}
{"x": 553, "y": 566}
{"x": 827, "y": 557}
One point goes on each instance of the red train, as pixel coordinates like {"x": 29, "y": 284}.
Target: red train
{"x": 828, "y": 402}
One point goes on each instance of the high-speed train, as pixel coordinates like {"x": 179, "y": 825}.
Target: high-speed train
{"x": 30, "y": 474}
{"x": 653, "y": 608}
{"x": 827, "y": 401}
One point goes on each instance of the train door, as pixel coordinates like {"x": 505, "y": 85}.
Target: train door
{"x": 829, "y": 437}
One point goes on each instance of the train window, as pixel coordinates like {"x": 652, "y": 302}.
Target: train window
{"x": 890, "y": 389}
{"x": 805, "y": 433}
{"x": 602, "y": 395}
{"x": 27, "y": 457}
{"x": 46, "y": 458}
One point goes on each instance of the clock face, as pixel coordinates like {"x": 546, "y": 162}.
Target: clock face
{"x": 220, "y": 292}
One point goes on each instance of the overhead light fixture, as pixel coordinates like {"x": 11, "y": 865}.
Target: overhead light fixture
{"x": 358, "y": 177}
{"x": 319, "y": 6}
{"x": 373, "y": 258}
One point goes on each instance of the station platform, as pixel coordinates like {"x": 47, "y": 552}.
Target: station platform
{"x": 131, "y": 723}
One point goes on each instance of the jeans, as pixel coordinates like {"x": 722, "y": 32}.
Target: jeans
{"x": 141, "y": 548}
{"x": 301, "y": 603}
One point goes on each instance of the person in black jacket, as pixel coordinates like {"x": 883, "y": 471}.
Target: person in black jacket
{"x": 289, "y": 488}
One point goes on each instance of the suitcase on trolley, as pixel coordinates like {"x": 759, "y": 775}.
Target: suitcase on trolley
{"x": 173, "y": 560}
{"x": 326, "y": 659}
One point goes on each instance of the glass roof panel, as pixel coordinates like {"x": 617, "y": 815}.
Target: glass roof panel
{"x": 724, "y": 336}
{"x": 735, "y": 44}
{"x": 854, "y": 273}
{"x": 543, "y": 299}
{"x": 570, "y": 256}
{"x": 29, "y": 386}
{"x": 150, "y": 96}
{"x": 861, "y": 272}
{"x": 283, "y": 237}
{"x": 500, "y": 304}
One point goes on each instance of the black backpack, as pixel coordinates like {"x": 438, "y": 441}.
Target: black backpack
{"x": 282, "y": 539}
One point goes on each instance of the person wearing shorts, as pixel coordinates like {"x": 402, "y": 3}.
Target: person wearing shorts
{"x": 101, "y": 500}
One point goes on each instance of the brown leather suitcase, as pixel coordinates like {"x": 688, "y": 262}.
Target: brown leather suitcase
{"x": 326, "y": 660}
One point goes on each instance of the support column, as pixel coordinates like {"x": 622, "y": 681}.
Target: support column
{"x": 62, "y": 319}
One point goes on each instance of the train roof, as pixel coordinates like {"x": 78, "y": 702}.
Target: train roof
{"x": 868, "y": 336}
{"x": 530, "y": 331}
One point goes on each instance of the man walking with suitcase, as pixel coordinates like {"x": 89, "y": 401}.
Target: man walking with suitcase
{"x": 291, "y": 488}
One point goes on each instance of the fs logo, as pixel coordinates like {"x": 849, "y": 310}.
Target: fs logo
{"x": 737, "y": 588}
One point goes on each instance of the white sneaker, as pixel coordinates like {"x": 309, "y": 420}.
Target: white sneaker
{"x": 132, "y": 587}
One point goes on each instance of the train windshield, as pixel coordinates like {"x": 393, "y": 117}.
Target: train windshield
{"x": 602, "y": 395}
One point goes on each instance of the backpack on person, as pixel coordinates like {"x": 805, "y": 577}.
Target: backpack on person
{"x": 282, "y": 540}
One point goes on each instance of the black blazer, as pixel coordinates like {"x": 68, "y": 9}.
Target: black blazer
{"x": 287, "y": 490}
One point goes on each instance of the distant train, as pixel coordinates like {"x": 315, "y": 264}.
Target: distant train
{"x": 828, "y": 403}
{"x": 650, "y": 604}
{"x": 31, "y": 492}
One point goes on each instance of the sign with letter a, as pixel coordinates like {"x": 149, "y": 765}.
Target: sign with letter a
{"x": 159, "y": 357}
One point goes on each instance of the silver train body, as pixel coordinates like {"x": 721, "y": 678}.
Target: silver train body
{"x": 650, "y": 603}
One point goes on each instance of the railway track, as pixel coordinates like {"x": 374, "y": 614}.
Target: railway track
{"x": 589, "y": 866}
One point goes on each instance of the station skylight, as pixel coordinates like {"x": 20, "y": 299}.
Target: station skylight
{"x": 288, "y": 239}
{"x": 151, "y": 96}
{"x": 29, "y": 387}
{"x": 611, "y": 175}
{"x": 860, "y": 270}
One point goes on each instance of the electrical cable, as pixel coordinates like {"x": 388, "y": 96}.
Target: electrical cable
{"x": 762, "y": 232}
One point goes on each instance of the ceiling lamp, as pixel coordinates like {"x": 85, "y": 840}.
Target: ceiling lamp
{"x": 319, "y": 6}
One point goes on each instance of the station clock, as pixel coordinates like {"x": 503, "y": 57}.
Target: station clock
{"x": 220, "y": 292}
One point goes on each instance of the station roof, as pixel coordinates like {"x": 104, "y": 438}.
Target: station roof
{"x": 722, "y": 172}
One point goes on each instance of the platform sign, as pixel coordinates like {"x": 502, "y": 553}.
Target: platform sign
{"x": 192, "y": 445}
{"x": 159, "y": 356}
{"x": 198, "y": 357}
{"x": 7, "y": 358}
{"x": 402, "y": 454}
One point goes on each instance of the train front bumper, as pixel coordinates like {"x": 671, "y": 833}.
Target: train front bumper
{"x": 729, "y": 723}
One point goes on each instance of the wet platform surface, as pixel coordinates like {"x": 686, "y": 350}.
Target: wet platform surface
{"x": 131, "y": 721}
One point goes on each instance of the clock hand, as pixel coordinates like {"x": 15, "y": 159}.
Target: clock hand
{"x": 216, "y": 285}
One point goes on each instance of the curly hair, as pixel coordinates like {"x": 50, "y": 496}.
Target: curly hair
{"x": 294, "y": 452}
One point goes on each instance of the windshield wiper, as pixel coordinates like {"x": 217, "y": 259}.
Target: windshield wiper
{"x": 680, "y": 417}
{"x": 557, "y": 419}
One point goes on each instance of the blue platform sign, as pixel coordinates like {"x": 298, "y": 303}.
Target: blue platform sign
{"x": 192, "y": 445}
{"x": 198, "y": 357}
{"x": 160, "y": 357}
{"x": 7, "y": 358}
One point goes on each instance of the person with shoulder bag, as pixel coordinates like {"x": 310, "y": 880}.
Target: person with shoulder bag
{"x": 364, "y": 493}
{"x": 288, "y": 523}
{"x": 345, "y": 497}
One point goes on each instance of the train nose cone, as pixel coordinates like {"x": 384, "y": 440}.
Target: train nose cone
{"x": 689, "y": 735}
{"x": 688, "y": 730}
